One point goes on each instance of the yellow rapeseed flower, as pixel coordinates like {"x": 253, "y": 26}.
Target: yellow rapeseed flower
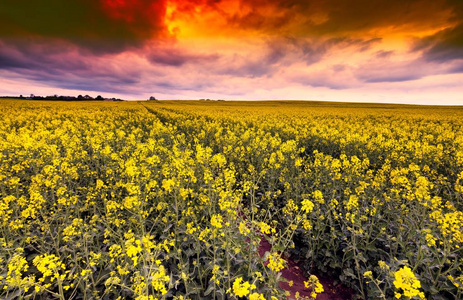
{"x": 240, "y": 288}
{"x": 407, "y": 283}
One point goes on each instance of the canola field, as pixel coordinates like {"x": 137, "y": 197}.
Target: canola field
{"x": 171, "y": 199}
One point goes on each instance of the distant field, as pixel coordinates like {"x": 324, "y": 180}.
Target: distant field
{"x": 172, "y": 199}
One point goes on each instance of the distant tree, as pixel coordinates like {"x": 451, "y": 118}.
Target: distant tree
{"x": 80, "y": 97}
{"x": 99, "y": 97}
{"x": 21, "y": 97}
{"x": 153, "y": 98}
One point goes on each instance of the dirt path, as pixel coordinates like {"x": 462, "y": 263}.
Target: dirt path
{"x": 294, "y": 273}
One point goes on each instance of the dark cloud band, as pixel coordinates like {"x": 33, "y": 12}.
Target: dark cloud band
{"x": 95, "y": 25}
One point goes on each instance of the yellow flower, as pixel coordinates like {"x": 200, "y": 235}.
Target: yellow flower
{"x": 244, "y": 230}
{"x": 159, "y": 279}
{"x": 406, "y": 281}
{"x": 215, "y": 271}
{"x": 216, "y": 221}
{"x": 368, "y": 275}
{"x": 383, "y": 265}
{"x": 352, "y": 203}
{"x": 290, "y": 208}
{"x": 318, "y": 196}
{"x": 314, "y": 284}
{"x": 16, "y": 267}
{"x": 168, "y": 185}
{"x": 240, "y": 288}
{"x": 307, "y": 206}
{"x": 264, "y": 227}
{"x": 256, "y": 296}
{"x": 306, "y": 225}
{"x": 49, "y": 266}
{"x": 275, "y": 262}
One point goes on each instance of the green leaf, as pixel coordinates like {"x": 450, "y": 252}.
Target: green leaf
{"x": 349, "y": 272}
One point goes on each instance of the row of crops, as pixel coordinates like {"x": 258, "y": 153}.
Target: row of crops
{"x": 170, "y": 200}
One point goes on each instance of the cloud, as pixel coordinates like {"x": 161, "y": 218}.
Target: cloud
{"x": 364, "y": 15}
{"x": 388, "y": 70}
{"x": 113, "y": 26}
{"x": 281, "y": 53}
{"x": 176, "y": 57}
{"x": 65, "y": 67}
{"x": 11, "y": 58}
{"x": 446, "y": 45}
{"x": 385, "y": 69}
{"x": 171, "y": 66}
{"x": 384, "y": 54}
{"x": 334, "y": 78}
{"x": 267, "y": 57}
{"x": 101, "y": 26}
{"x": 300, "y": 18}
{"x": 233, "y": 47}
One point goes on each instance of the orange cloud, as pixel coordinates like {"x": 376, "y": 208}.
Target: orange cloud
{"x": 244, "y": 48}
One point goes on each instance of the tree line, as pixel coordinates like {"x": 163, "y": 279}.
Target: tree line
{"x": 63, "y": 98}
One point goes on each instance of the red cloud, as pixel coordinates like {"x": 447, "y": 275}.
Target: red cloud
{"x": 143, "y": 16}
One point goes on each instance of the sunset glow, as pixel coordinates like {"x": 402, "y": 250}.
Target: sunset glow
{"x": 373, "y": 51}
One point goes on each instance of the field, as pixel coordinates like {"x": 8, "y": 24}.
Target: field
{"x": 172, "y": 199}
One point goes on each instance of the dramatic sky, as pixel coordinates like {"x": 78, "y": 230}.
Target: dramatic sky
{"x": 402, "y": 51}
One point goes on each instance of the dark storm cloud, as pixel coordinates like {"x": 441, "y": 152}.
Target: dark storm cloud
{"x": 59, "y": 43}
{"x": 276, "y": 52}
{"x": 283, "y": 52}
{"x": 73, "y": 43}
{"x": 101, "y": 26}
{"x": 443, "y": 46}
{"x": 12, "y": 59}
{"x": 446, "y": 46}
{"x": 362, "y": 15}
{"x": 110, "y": 26}
{"x": 310, "y": 51}
{"x": 340, "y": 17}
{"x": 41, "y": 56}
{"x": 176, "y": 57}
{"x": 64, "y": 68}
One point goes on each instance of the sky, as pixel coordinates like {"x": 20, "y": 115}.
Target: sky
{"x": 394, "y": 51}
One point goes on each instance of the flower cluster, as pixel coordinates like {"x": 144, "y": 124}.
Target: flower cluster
{"x": 173, "y": 200}
{"x": 407, "y": 284}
